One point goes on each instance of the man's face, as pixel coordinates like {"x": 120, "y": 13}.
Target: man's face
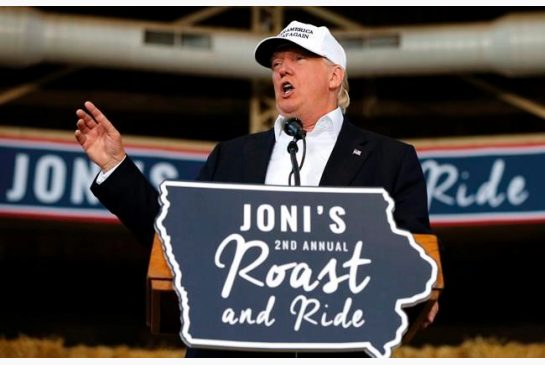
{"x": 303, "y": 84}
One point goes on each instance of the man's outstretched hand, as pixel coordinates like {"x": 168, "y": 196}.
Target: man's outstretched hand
{"x": 98, "y": 137}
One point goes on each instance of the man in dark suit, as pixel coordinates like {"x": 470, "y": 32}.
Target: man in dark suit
{"x": 310, "y": 83}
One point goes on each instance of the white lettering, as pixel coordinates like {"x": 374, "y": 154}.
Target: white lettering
{"x": 443, "y": 184}
{"x": 302, "y": 313}
{"x": 301, "y": 275}
{"x": 335, "y": 214}
{"x": 20, "y": 177}
{"x": 304, "y": 309}
{"x": 246, "y": 315}
{"x": 488, "y": 192}
{"x": 162, "y": 171}
{"x": 264, "y": 316}
{"x": 246, "y": 218}
{"x": 277, "y": 273}
{"x": 288, "y": 217}
{"x": 307, "y": 227}
{"x": 241, "y": 248}
{"x": 330, "y": 269}
{"x": 436, "y": 172}
{"x": 462, "y": 198}
{"x": 229, "y": 316}
{"x": 265, "y": 218}
{"x": 515, "y": 192}
{"x": 50, "y": 179}
{"x": 82, "y": 174}
{"x": 353, "y": 265}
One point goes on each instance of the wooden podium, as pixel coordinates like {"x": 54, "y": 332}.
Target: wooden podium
{"x": 163, "y": 312}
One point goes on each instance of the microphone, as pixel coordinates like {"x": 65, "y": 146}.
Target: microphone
{"x": 294, "y": 128}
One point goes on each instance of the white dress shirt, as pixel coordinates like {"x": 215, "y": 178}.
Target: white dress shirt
{"x": 320, "y": 143}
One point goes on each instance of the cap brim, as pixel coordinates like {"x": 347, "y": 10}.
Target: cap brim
{"x": 265, "y": 49}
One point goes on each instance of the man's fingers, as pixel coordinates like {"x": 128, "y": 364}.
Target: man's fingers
{"x": 433, "y": 312}
{"x": 99, "y": 116}
{"x": 87, "y": 119}
{"x": 82, "y": 126}
{"x": 431, "y": 315}
{"x": 80, "y": 137}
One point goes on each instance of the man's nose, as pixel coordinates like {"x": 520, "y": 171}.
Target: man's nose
{"x": 285, "y": 68}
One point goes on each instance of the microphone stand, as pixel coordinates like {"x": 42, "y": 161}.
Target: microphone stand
{"x": 296, "y": 168}
{"x": 293, "y": 127}
{"x": 292, "y": 149}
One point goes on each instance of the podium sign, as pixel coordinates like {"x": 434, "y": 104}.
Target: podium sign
{"x": 290, "y": 268}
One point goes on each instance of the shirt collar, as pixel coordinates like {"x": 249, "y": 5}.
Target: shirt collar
{"x": 331, "y": 122}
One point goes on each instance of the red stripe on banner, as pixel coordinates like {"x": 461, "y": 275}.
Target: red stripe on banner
{"x": 480, "y": 146}
{"x": 486, "y": 222}
{"x": 134, "y": 146}
{"x": 62, "y": 217}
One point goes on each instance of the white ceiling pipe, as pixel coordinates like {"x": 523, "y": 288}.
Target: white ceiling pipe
{"x": 512, "y": 45}
{"x": 28, "y": 36}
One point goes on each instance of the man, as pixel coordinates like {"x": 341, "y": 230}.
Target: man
{"x": 310, "y": 83}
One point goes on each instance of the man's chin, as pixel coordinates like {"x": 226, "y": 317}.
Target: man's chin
{"x": 287, "y": 112}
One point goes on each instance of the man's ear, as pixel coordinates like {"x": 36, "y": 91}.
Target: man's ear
{"x": 336, "y": 77}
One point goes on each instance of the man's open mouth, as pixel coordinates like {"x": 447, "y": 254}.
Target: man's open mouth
{"x": 287, "y": 88}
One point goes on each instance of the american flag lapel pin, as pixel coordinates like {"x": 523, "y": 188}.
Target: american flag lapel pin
{"x": 356, "y": 152}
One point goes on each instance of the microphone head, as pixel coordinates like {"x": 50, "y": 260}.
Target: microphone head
{"x": 294, "y": 128}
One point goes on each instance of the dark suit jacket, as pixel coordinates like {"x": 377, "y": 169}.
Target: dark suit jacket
{"x": 383, "y": 162}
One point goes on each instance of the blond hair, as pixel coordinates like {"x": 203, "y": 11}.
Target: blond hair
{"x": 343, "y": 99}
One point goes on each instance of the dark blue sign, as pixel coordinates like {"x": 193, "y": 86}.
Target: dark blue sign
{"x": 290, "y": 269}
{"x": 482, "y": 184}
{"x": 53, "y": 178}
{"x": 474, "y": 185}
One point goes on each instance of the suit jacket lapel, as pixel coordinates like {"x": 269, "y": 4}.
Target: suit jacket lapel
{"x": 348, "y": 156}
{"x": 257, "y": 153}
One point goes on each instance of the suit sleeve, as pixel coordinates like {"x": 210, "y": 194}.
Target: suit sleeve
{"x": 409, "y": 193}
{"x": 128, "y": 194}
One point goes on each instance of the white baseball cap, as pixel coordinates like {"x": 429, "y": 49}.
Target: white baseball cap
{"x": 315, "y": 39}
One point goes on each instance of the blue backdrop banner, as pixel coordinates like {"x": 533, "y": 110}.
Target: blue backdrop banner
{"x": 50, "y": 178}
{"x": 473, "y": 185}
{"x": 485, "y": 184}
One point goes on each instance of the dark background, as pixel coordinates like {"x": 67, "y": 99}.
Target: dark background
{"x": 85, "y": 281}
